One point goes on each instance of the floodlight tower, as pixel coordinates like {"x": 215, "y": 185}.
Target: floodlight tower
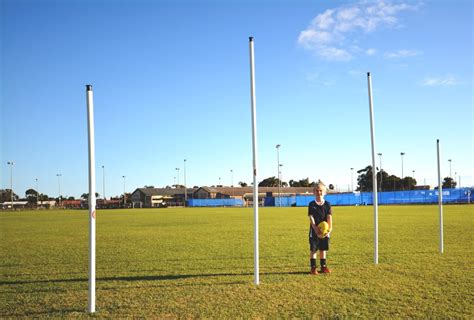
{"x": 124, "y": 197}
{"x": 450, "y": 168}
{"x": 185, "y": 191}
{"x": 59, "y": 175}
{"x": 232, "y": 181}
{"x": 352, "y": 179}
{"x": 281, "y": 175}
{"x": 278, "y": 171}
{"x": 37, "y": 192}
{"x": 402, "y": 154}
{"x": 103, "y": 182}
{"x": 11, "y": 164}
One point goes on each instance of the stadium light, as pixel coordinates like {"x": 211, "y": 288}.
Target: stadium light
{"x": 278, "y": 171}
{"x": 37, "y": 192}
{"x": 402, "y": 154}
{"x": 374, "y": 177}
{"x": 352, "y": 179}
{"x": 103, "y": 182}
{"x": 177, "y": 175}
{"x": 450, "y": 168}
{"x": 254, "y": 160}
{"x": 59, "y": 175}
{"x": 185, "y": 191}
{"x": 124, "y": 200}
{"x": 232, "y": 181}
{"x": 281, "y": 174}
{"x": 11, "y": 164}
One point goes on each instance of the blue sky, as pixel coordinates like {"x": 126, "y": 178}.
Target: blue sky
{"x": 171, "y": 82}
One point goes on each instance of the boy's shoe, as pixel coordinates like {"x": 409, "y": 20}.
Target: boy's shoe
{"x": 325, "y": 270}
{"x": 313, "y": 271}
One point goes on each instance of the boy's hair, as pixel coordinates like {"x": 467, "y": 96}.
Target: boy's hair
{"x": 321, "y": 185}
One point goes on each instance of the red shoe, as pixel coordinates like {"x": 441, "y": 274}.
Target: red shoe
{"x": 313, "y": 271}
{"x": 325, "y": 270}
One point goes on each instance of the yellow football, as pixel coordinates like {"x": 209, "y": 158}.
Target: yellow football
{"x": 324, "y": 228}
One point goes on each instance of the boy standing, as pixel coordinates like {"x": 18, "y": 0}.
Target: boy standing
{"x": 319, "y": 210}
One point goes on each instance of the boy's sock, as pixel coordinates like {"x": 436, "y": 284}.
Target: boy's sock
{"x": 322, "y": 262}
{"x": 313, "y": 263}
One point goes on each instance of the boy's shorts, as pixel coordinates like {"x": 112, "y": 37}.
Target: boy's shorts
{"x": 316, "y": 244}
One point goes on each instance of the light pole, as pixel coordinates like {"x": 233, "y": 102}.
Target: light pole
{"x": 124, "y": 197}
{"x": 278, "y": 171}
{"x": 185, "y": 191}
{"x": 232, "y": 181}
{"x": 450, "y": 168}
{"x": 11, "y": 164}
{"x": 219, "y": 182}
{"x": 352, "y": 179}
{"x": 402, "y": 154}
{"x": 380, "y": 167}
{"x": 103, "y": 182}
{"x": 456, "y": 177}
{"x": 59, "y": 175}
{"x": 37, "y": 192}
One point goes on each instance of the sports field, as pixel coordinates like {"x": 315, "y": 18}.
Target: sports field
{"x": 198, "y": 263}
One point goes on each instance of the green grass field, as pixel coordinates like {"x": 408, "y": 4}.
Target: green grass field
{"x": 198, "y": 263}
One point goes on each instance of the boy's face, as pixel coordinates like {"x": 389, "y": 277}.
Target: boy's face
{"x": 319, "y": 192}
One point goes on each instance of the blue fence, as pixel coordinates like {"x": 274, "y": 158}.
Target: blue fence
{"x": 462, "y": 195}
{"x": 215, "y": 203}
{"x": 280, "y": 201}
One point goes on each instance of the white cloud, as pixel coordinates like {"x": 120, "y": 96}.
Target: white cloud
{"x": 440, "y": 81}
{"x": 370, "y": 51}
{"x": 327, "y": 35}
{"x": 401, "y": 54}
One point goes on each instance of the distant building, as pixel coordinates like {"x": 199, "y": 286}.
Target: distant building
{"x": 160, "y": 197}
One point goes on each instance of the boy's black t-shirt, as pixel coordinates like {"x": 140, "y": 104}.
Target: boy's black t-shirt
{"x": 319, "y": 213}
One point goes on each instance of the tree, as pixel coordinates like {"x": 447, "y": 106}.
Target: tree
{"x": 302, "y": 183}
{"x": 6, "y": 195}
{"x": 242, "y": 184}
{"x": 364, "y": 181}
{"x": 32, "y": 197}
{"x": 85, "y": 196}
{"x": 269, "y": 182}
{"x": 449, "y": 183}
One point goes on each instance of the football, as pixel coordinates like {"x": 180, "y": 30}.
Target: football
{"x": 324, "y": 228}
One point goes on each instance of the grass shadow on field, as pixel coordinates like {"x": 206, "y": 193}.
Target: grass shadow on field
{"x": 49, "y": 313}
{"x": 169, "y": 277}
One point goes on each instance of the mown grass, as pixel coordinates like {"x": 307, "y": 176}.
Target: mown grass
{"x": 198, "y": 263}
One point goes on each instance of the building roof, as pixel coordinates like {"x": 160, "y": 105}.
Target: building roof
{"x": 231, "y": 191}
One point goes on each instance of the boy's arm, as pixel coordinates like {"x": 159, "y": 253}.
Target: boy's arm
{"x": 314, "y": 226}
{"x": 330, "y": 223}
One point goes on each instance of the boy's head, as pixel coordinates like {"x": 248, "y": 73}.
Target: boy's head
{"x": 320, "y": 189}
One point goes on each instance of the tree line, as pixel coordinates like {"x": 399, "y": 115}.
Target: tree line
{"x": 385, "y": 182}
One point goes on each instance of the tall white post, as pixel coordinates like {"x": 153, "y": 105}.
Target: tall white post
{"x": 92, "y": 200}
{"x": 440, "y": 202}
{"x": 254, "y": 154}
{"x": 374, "y": 173}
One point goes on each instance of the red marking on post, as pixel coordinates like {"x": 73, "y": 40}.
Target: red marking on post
{"x": 93, "y": 214}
